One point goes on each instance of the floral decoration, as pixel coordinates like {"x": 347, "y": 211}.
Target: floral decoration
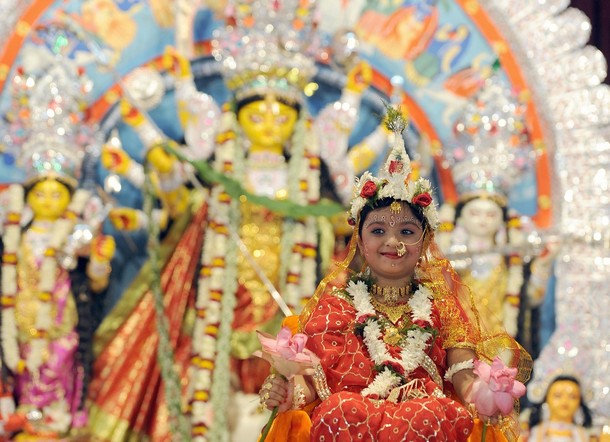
{"x": 495, "y": 388}
{"x": 416, "y": 338}
{"x": 394, "y": 182}
{"x": 288, "y": 356}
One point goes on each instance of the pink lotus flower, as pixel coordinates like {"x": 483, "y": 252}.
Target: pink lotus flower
{"x": 288, "y": 356}
{"x": 286, "y": 352}
{"x": 495, "y": 389}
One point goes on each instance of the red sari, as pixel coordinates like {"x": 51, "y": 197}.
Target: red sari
{"x": 347, "y": 415}
{"x": 127, "y": 394}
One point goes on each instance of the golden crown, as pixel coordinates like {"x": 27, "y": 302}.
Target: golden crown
{"x": 267, "y": 47}
{"x": 45, "y": 124}
{"x": 492, "y": 149}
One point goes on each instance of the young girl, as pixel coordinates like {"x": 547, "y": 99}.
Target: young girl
{"x": 397, "y": 344}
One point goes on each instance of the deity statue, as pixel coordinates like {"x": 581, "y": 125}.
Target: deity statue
{"x": 563, "y": 416}
{"x": 483, "y": 235}
{"x": 53, "y": 257}
{"x": 270, "y": 170}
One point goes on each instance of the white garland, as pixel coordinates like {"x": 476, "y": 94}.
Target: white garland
{"x": 218, "y": 264}
{"x": 10, "y": 239}
{"x": 299, "y": 240}
{"x": 414, "y": 344}
{"x": 46, "y": 284}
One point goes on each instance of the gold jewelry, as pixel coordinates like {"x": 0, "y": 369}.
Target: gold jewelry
{"x": 395, "y": 207}
{"x": 263, "y": 397}
{"x": 401, "y": 248}
{"x": 389, "y": 295}
{"x": 265, "y": 389}
{"x": 268, "y": 382}
{"x": 394, "y": 312}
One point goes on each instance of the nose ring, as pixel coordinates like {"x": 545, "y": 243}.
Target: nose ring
{"x": 401, "y": 248}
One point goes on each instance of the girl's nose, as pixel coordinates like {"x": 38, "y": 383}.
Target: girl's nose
{"x": 392, "y": 241}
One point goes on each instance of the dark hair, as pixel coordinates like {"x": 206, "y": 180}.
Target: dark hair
{"x": 254, "y": 98}
{"x": 418, "y": 211}
{"x": 536, "y": 412}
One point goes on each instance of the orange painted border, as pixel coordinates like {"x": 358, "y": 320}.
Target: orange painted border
{"x": 22, "y": 28}
{"x": 509, "y": 62}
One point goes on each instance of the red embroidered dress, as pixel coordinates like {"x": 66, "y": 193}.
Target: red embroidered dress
{"x": 422, "y": 411}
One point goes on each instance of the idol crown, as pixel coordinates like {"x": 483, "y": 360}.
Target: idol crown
{"x": 45, "y": 122}
{"x": 492, "y": 149}
{"x": 267, "y": 47}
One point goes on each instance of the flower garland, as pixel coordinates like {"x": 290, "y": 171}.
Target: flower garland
{"x": 216, "y": 289}
{"x": 218, "y": 277}
{"x": 393, "y": 371}
{"x": 299, "y": 237}
{"x": 48, "y": 278}
{"x": 10, "y": 238}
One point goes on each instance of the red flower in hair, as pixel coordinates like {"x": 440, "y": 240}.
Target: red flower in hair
{"x": 395, "y": 166}
{"x": 423, "y": 199}
{"x": 368, "y": 190}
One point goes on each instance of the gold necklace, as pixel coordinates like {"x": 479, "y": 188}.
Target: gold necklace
{"x": 394, "y": 312}
{"x": 390, "y": 295}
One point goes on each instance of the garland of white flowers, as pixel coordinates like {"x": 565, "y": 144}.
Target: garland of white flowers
{"x": 209, "y": 381}
{"x": 10, "y": 238}
{"x": 299, "y": 237}
{"x": 414, "y": 344}
{"x": 217, "y": 286}
{"x": 48, "y": 278}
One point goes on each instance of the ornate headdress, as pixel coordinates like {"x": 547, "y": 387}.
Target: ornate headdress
{"x": 492, "y": 147}
{"x": 45, "y": 130}
{"x": 268, "y": 47}
{"x": 395, "y": 180}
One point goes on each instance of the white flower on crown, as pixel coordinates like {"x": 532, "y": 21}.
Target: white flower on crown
{"x": 394, "y": 183}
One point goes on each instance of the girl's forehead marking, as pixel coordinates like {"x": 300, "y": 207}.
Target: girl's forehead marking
{"x": 391, "y": 219}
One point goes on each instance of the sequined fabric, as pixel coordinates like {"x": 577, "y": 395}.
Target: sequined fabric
{"x": 346, "y": 415}
{"x": 60, "y": 379}
{"x": 126, "y": 392}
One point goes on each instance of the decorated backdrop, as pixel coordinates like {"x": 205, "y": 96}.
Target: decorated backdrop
{"x": 432, "y": 56}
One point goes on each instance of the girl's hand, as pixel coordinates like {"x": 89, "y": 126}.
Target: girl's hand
{"x": 276, "y": 392}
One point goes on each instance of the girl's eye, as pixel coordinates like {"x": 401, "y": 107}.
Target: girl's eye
{"x": 406, "y": 232}
{"x": 377, "y": 231}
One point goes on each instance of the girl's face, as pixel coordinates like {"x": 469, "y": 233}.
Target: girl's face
{"x": 384, "y": 235}
{"x": 563, "y": 400}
